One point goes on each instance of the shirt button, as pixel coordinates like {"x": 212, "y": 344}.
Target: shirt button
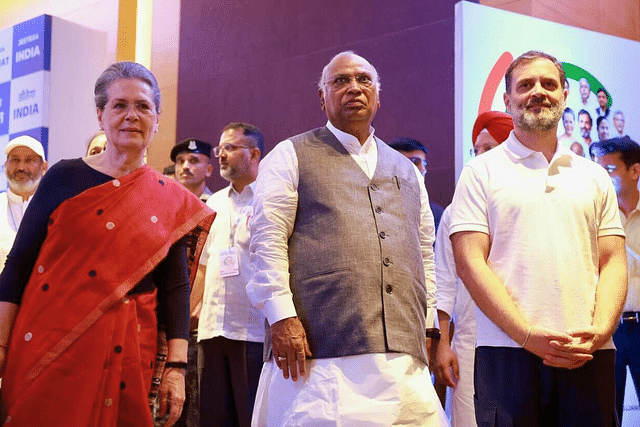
{"x": 108, "y": 402}
{"x": 8, "y": 419}
{"x": 389, "y": 289}
{"x": 118, "y": 349}
{"x": 92, "y": 273}
{"x": 154, "y": 219}
{"x": 116, "y": 183}
{"x": 40, "y": 269}
{"x": 386, "y": 261}
{"x": 45, "y": 287}
{"x": 374, "y": 187}
{"x": 383, "y": 234}
{"x": 110, "y": 225}
{"x": 28, "y": 336}
{"x": 378, "y": 209}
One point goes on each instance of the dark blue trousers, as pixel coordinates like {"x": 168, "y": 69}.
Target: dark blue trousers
{"x": 229, "y": 375}
{"x": 627, "y": 341}
{"x": 513, "y": 388}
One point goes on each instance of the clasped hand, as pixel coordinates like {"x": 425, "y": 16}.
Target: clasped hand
{"x": 568, "y": 350}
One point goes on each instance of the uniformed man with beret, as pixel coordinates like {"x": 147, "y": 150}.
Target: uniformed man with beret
{"x": 192, "y": 167}
{"x": 191, "y": 158}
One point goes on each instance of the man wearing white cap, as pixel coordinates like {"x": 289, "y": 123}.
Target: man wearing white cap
{"x": 24, "y": 167}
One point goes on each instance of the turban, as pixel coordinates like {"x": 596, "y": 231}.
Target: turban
{"x": 497, "y": 123}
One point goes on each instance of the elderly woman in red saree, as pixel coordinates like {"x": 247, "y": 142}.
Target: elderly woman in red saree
{"x": 101, "y": 250}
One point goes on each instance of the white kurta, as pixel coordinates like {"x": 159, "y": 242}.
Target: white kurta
{"x": 367, "y": 389}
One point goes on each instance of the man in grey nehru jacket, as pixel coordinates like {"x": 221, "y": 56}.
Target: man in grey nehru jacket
{"x": 341, "y": 248}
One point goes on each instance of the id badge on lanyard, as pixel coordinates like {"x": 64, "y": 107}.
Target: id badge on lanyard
{"x": 229, "y": 262}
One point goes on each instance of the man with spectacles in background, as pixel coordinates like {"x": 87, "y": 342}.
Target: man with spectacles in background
{"x": 230, "y": 330}
{"x": 621, "y": 159}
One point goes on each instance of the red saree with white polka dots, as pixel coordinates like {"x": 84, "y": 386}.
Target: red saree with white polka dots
{"x": 82, "y": 351}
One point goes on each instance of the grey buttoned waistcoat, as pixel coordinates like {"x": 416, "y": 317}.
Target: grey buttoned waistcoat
{"x": 356, "y": 268}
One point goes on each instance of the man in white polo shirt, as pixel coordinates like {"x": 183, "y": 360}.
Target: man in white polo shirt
{"x": 24, "y": 168}
{"x": 537, "y": 241}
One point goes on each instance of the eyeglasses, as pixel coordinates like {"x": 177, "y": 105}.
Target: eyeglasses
{"x": 229, "y": 148}
{"x": 418, "y": 161}
{"x": 477, "y": 151}
{"x": 342, "y": 80}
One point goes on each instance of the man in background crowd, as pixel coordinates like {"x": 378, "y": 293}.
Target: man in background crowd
{"x": 24, "y": 167}
{"x": 230, "y": 330}
{"x": 415, "y": 151}
{"x": 621, "y": 159}
{"x": 454, "y": 366}
{"x": 192, "y": 167}
{"x": 191, "y": 158}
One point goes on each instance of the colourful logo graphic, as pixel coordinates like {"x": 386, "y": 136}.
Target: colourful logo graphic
{"x": 500, "y": 67}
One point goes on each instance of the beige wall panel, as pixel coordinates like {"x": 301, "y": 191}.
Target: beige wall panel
{"x": 620, "y": 18}
{"x": 616, "y": 17}
{"x": 165, "y": 138}
{"x": 517, "y": 6}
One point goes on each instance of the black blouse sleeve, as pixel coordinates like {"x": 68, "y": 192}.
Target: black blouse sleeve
{"x": 64, "y": 180}
{"x": 171, "y": 277}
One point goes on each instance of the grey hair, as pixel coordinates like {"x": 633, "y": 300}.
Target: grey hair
{"x": 124, "y": 70}
{"x": 325, "y": 71}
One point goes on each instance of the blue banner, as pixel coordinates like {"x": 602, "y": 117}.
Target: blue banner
{"x": 32, "y": 46}
{"x": 5, "y": 98}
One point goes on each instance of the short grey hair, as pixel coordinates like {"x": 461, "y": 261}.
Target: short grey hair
{"x": 325, "y": 71}
{"x": 124, "y": 70}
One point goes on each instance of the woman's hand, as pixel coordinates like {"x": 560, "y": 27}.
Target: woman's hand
{"x": 172, "y": 394}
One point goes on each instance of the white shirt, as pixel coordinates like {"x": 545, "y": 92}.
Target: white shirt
{"x": 10, "y": 219}
{"x": 226, "y": 310}
{"x": 276, "y": 200}
{"x": 352, "y": 381}
{"x": 631, "y": 226}
{"x": 544, "y": 219}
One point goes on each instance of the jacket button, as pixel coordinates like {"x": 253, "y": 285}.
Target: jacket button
{"x": 389, "y": 289}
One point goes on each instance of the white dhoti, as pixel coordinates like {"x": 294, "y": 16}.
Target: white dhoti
{"x": 363, "y": 390}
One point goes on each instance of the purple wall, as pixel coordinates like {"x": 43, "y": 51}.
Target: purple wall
{"x": 259, "y": 62}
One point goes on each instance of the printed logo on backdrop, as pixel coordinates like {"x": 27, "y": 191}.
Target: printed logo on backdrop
{"x": 6, "y": 47}
{"x": 496, "y": 77}
{"x": 28, "y": 107}
{"x": 32, "y": 46}
{"x": 4, "y": 107}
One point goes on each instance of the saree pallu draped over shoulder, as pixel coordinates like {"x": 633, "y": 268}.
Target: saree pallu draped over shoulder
{"x": 82, "y": 351}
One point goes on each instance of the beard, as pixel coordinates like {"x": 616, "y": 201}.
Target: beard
{"x": 546, "y": 120}
{"x": 28, "y": 186}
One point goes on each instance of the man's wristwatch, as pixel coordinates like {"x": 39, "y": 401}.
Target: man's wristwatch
{"x": 433, "y": 333}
